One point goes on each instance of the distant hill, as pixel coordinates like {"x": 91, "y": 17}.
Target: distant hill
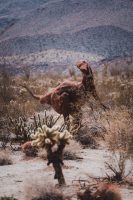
{"x": 107, "y": 41}
{"x": 103, "y": 28}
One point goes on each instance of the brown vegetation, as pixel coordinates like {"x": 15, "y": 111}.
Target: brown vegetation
{"x": 89, "y": 136}
{"x": 101, "y": 192}
{"x": 17, "y": 117}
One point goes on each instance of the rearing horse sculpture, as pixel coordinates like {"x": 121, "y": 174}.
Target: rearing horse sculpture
{"x": 68, "y": 98}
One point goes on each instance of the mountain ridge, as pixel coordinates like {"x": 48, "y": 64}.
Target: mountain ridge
{"x": 107, "y": 41}
{"x": 97, "y": 27}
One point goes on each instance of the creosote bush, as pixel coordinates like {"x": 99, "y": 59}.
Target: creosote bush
{"x": 5, "y": 158}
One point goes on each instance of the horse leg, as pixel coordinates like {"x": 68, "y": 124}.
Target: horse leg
{"x": 66, "y": 120}
{"x": 64, "y": 106}
{"x": 77, "y": 118}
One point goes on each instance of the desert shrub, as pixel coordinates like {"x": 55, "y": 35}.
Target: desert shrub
{"x": 126, "y": 95}
{"x": 100, "y": 191}
{"x": 18, "y": 108}
{"x": 7, "y": 198}
{"x": 119, "y": 139}
{"x": 6, "y": 95}
{"x": 120, "y": 167}
{"x": 4, "y": 139}
{"x": 88, "y": 136}
{"x": 6, "y": 87}
{"x": 119, "y": 130}
{"x": 15, "y": 101}
{"x": 115, "y": 88}
{"x": 85, "y": 138}
{"x": 5, "y": 158}
{"x": 43, "y": 192}
{"x": 31, "y": 152}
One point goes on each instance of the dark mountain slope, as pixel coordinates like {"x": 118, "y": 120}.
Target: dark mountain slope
{"x": 58, "y": 16}
{"x": 107, "y": 41}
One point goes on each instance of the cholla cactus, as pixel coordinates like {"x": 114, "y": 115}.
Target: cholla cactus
{"x": 47, "y": 137}
{"x": 52, "y": 136}
{"x": 20, "y": 128}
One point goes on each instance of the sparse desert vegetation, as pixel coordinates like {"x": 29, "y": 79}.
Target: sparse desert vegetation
{"x": 101, "y": 130}
{"x": 66, "y": 100}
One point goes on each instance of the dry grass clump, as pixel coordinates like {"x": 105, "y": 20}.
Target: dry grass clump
{"x": 101, "y": 191}
{"x": 5, "y": 158}
{"x": 44, "y": 192}
{"x": 119, "y": 128}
